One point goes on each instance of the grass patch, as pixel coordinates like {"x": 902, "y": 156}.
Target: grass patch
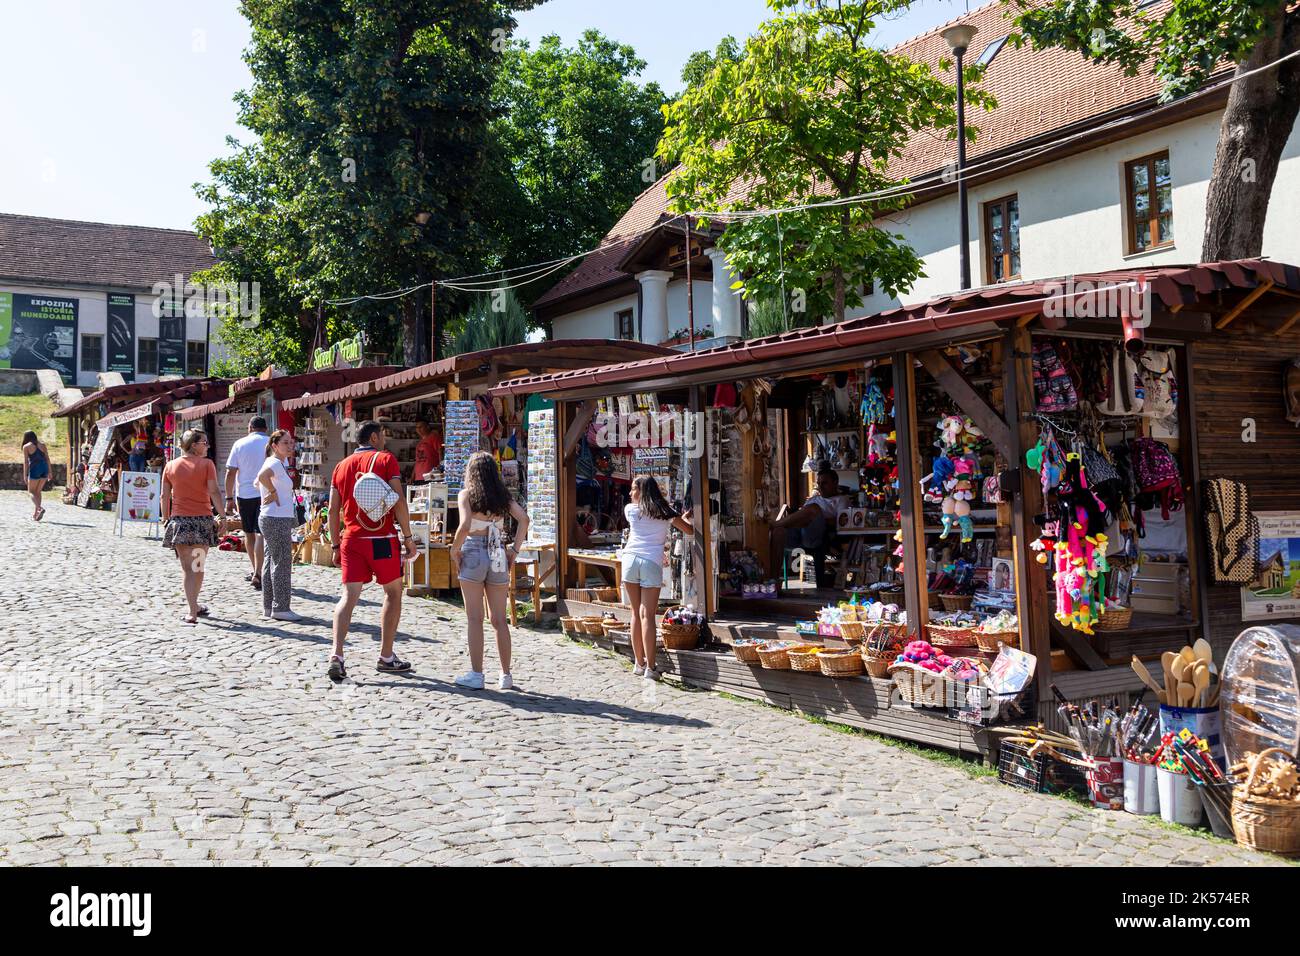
{"x": 24, "y": 413}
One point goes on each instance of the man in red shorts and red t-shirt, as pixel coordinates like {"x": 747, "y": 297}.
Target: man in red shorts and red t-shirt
{"x": 365, "y": 549}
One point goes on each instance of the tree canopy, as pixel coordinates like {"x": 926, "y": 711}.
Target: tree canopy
{"x": 810, "y": 112}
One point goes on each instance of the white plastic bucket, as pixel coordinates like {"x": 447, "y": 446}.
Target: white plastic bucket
{"x": 1179, "y": 800}
{"x": 1141, "y": 789}
{"x": 1205, "y": 722}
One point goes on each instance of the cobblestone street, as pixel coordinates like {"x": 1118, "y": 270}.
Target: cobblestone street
{"x": 126, "y": 737}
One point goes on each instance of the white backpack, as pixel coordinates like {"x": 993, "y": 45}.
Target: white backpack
{"x": 374, "y": 496}
{"x": 1123, "y": 398}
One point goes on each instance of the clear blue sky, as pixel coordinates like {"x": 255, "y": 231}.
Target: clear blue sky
{"x": 112, "y": 108}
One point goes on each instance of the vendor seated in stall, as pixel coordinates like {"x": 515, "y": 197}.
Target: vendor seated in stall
{"x": 811, "y": 528}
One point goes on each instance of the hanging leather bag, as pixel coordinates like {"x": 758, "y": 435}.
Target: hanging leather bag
{"x": 1232, "y": 531}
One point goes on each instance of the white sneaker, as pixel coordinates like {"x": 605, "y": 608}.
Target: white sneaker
{"x": 504, "y": 682}
{"x": 652, "y": 674}
{"x": 638, "y": 670}
{"x": 473, "y": 680}
{"x": 285, "y": 616}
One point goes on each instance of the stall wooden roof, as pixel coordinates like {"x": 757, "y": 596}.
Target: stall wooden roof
{"x": 1216, "y": 292}
{"x": 287, "y": 386}
{"x": 482, "y": 366}
{"x": 132, "y": 392}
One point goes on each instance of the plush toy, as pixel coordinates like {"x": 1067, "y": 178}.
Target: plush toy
{"x": 950, "y": 429}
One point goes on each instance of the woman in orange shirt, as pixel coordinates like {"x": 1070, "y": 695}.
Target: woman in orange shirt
{"x": 190, "y": 495}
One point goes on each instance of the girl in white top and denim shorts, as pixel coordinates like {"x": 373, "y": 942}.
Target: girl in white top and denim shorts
{"x": 649, "y": 517}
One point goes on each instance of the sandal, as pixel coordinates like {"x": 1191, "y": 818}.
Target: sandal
{"x": 40, "y": 514}
{"x": 189, "y": 621}
{"x": 203, "y": 610}
{"x": 256, "y": 583}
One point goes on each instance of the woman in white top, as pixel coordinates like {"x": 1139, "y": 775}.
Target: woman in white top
{"x": 483, "y": 561}
{"x": 276, "y": 521}
{"x": 649, "y": 516}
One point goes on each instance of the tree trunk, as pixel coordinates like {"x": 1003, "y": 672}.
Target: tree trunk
{"x": 412, "y": 354}
{"x": 1257, "y": 122}
{"x": 837, "y": 277}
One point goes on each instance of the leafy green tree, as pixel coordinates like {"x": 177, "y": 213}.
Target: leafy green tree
{"x": 702, "y": 62}
{"x": 811, "y": 112}
{"x": 366, "y": 114}
{"x": 1186, "y": 40}
{"x": 573, "y": 145}
{"x": 493, "y": 320}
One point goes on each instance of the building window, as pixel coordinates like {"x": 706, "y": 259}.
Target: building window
{"x": 92, "y": 353}
{"x": 1150, "y": 203}
{"x": 1002, "y": 239}
{"x": 196, "y": 358}
{"x": 146, "y": 361}
{"x": 626, "y": 327}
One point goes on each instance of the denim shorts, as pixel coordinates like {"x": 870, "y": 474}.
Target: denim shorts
{"x": 643, "y": 571}
{"x": 476, "y": 563}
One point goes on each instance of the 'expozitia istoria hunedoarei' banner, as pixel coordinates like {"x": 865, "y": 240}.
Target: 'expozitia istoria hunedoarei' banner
{"x": 121, "y": 335}
{"x": 39, "y": 331}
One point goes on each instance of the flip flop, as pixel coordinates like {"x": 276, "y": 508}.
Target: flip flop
{"x": 203, "y": 610}
{"x": 40, "y": 514}
{"x": 189, "y": 621}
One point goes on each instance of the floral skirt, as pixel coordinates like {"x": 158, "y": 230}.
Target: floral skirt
{"x": 191, "y": 532}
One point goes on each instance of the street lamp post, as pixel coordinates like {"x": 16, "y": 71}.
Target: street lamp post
{"x": 958, "y": 38}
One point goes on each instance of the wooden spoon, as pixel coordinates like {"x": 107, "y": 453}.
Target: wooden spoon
{"x": 1188, "y": 655}
{"x": 1145, "y": 675}
{"x": 1203, "y": 651}
{"x": 1167, "y": 662}
{"x": 1179, "y": 669}
{"x": 1201, "y": 680}
{"x": 1186, "y": 694}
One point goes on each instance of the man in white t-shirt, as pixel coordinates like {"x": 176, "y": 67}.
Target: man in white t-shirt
{"x": 242, "y": 465}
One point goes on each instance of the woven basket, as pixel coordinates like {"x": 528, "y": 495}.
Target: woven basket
{"x": 924, "y": 688}
{"x": 1265, "y": 823}
{"x": 608, "y": 595}
{"x": 1114, "y": 619}
{"x": 592, "y": 626}
{"x": 774, "y": 659}
{"x": 878, "y": 663}
{"x": 852, "y": 630}
{"x": 580, "y": 594}
{"x": 840, "y": 663}
{"x": 957, "y": 602}
{"x": 947, "y": 635}
{"x": 988, "y": 641}
{"x": 569, "y": 625}
{"x": 804, "y": 658}
{"x": 746, "y": 653}
{"x": 611, "y": 628}
{"x": 935, "y": 599}
{"x": 679, "y": 637}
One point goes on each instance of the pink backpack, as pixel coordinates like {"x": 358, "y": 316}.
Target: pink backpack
{"x": 1156, "y": 471}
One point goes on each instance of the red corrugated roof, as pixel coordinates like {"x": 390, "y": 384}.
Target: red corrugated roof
{"x": 1171, "y": 284}
{"x": 288, "y": 385}
{"x": 444, "y": 369}
{"x": 1038, "y": 92}
{"x": 131, "y": 391}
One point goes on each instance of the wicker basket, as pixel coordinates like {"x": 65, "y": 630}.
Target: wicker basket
{"x": 804, "y": 658}
{"x": 923, "y": 688}
{"x": 569, "y": 625}
{"x": 613, "y": 628}
{"x": 988, "y": 641}
{"x": 592, "y": 626}
{"x": 852, "y": 630}
{"x": 935, "y": 599}
{"x": 949, "y": 635}
{"x": 1114, "y": 619}
{"x": 586, "y": 595}
{"x": 878, "y": 663}
{"x": 679, "y": 637}
{"x": 1265, "y": 823}
{"x": 840, "y": 663}
{"x": 747, "y": 653}
{"x": 607, "y": 595}
{"x": 774, "y": 658}
{"x": 957, "y": 602}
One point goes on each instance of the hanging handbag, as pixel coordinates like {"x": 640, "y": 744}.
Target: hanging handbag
{"x": 1233, "y": 532}
{"x": 1123, "y": 399}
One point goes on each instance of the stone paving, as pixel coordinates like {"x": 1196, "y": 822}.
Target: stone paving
{"x": 126, "y": 737}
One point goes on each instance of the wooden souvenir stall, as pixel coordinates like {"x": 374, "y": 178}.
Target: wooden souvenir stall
{"x": 451, "y": 397}
{"x": 957, "y": 437}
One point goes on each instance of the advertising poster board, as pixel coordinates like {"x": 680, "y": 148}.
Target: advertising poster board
{"x": 39, "y": 331}
{"x": 1275, "y": 593}
{"x": 171, "y": 336}
{"x": 139, "y": 499}
{"x": 121, "y": 335}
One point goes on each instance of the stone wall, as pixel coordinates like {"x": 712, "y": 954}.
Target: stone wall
{"x": 11, "y": 474}
{"x": 18, "y": 381}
